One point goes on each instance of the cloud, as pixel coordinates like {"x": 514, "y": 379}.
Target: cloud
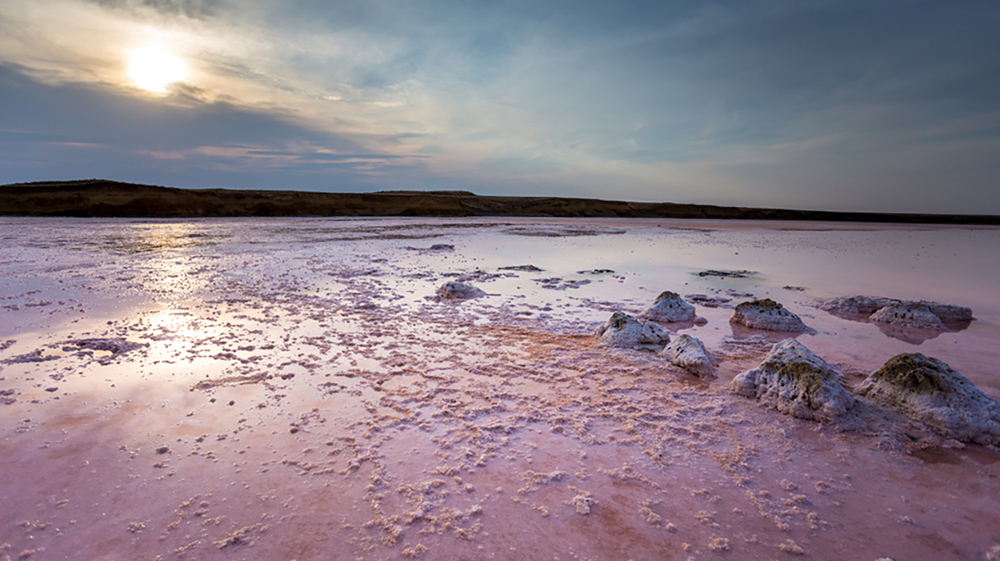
{"x": 56, "y": 129}
{"x": 768, "y": 104}
{"x": 185, "y": 8}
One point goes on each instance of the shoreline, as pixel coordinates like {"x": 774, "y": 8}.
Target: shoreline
{"x": 99, "y": 198}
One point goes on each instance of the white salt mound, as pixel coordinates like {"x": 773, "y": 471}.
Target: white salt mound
{"x": 459, "y": 291}
{"x": 688, "y": 353}
{"x": 929, "y": 391}
{"x": 916, "y": 315}
{"x": 669, "y": 307}
{"x": 869, "y": 305}
{"x": 766, "y": 314}
{"x": 796, "y": 382}
{"x": 623, "y": 330}
{"x": 857, "y": 305}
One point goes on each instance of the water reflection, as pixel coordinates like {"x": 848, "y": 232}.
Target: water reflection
{"x": 915, "y": 336}
{"x": 167, "y": 256}
{"x": 145, "y": 238}
{"x": 911, "y": 335}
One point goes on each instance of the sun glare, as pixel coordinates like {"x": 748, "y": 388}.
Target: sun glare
{"x": 153, "y": 69}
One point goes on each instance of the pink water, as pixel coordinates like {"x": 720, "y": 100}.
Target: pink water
{"x": 296, "y": 393}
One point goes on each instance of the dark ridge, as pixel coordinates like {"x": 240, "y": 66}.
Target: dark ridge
{"x": 104, "y": 198}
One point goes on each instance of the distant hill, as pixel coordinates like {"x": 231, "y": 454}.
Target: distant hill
{"x": 103, "y": 198}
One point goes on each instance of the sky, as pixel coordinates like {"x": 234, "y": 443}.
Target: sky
{"x": 887, "y": 105}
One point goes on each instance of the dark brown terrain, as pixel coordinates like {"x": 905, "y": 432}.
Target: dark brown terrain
{"x": 104, "y": 198}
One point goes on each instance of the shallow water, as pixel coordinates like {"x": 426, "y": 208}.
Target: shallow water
{"x": 290, "y": 389}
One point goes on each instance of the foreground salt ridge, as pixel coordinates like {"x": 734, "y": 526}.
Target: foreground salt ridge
{"x": 929, "y": 391}
{"x": 558, "y": 423}
{"x": 796, "y": 382}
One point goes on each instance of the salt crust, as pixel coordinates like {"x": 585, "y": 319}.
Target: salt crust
{"x": 908, "y": 314}
{"x": 904, "y": 313}
{"x": 766, "y": 314}
{"x": 927, "y": 390}
{"x": 624, "y": 330}
{"x": 669, "y": 307}
{"x": 454, "y": 290}
{"x": 796, "y": 382}
{"x": 688, "y": 353}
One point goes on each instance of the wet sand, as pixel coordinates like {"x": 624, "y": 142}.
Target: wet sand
{"x": 293, "y": 389}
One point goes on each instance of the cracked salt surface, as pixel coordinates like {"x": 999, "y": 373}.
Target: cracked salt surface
{"x": 293, "y": 389}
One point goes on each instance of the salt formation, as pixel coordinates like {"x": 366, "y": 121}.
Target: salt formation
{"x": 902, "y": 313}
{"x": 688, "y": 353}
{"x": 928, "y": 390}
{"x": 669, "y": 307}
{"x": 796, "y": 382}
{"x": 623, "y": 330}
{"x": 915, "y": 315}
{"x": 856, "y": 305}
{"x": 459, "y": 291}
{"x": 949, "y": 313}
{"x": 111, "y": 345}
{"x": 766, "y": 314}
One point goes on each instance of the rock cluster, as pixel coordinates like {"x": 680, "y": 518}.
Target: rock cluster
{"x": 454, "y": 290}
{"x": 688, "y": 353}
{"x": 767, "y": 314}
{"x": 624, "y": 330}
{"x": 929, "y": 391}
{"x": 899, "y": 313}
{"x": 796, "y": 382}
{"x": 669, "y": 307}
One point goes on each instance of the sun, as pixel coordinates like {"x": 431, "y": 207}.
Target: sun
{"x": 154, "y": 69}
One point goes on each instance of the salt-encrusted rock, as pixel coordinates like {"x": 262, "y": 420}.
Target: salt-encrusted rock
{"x": 688, "y": 353}
{"x": 766, "y": 314}
{"x": 114, "y": 346}
{"x": 856, "y": 305}
{"x": 949, "y": 313}
{"x": 669, "y": 307}
{"x": 796, "y": 382}
{"x": 459, "y": 291}
{"x": 928, "y": 390}
{"x": 623, "y": 330}
{"x": 916, "y": 315}
{"x": 868, "y": 305}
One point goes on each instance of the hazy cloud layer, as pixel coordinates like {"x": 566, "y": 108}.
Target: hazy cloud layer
{"x": 846, "y": 105}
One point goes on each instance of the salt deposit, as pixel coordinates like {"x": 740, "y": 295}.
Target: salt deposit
{"x": 904, "y": 313}
{"x": 669, "y": 307}
{"x": 929, "y": 391}
{"x": 914, "y": 315}
{"x": 296, "y": 388}
{"x": 856, "y": 305}
{"x": 767, "y": 314}
{"x": 454, "y": 290}
{"x": 796, "y": 382}
{"x": 949, "y": 313}
{"x": 688, "y": 353}
{"x": 624, "y": 330}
